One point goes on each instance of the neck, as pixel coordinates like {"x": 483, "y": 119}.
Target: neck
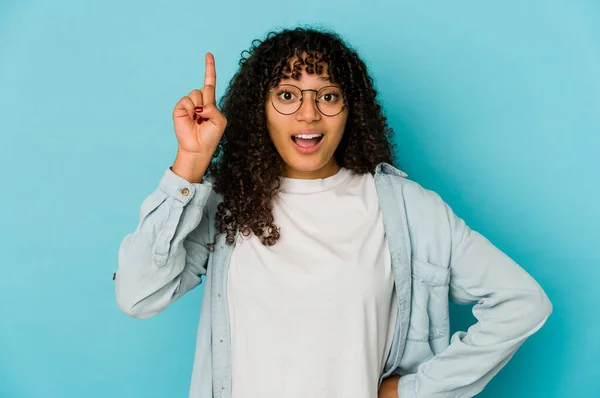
{"x": 331, "y": 168}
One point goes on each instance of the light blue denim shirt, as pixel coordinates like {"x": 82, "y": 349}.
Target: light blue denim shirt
{"x": 435, "y": 257}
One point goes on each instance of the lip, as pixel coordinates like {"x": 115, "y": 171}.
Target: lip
{"x": 307, "y": 131}
{"x": 311, "y": 149}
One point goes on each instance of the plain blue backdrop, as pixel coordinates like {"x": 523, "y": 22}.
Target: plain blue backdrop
{"x": 495, "y": 106}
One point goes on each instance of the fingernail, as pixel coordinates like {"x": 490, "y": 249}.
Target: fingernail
{"x": 199, "y": 121}
{"x": 194, "y": 117}
{"x": 199, "y": 109}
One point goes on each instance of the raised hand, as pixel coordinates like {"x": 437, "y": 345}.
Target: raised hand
{"x": 199, "y": 125}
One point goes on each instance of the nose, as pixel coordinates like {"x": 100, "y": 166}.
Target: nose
{"x": 308, "y": 111}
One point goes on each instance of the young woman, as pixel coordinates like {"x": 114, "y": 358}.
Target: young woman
{"x": 327, "y": 272}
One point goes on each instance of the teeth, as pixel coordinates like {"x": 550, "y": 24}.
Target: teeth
{"x": 308, "y": 136}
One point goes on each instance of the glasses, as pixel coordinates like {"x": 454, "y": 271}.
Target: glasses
{"x": 287, "y": 99}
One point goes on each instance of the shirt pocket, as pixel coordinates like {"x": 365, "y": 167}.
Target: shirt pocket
{"x": 429, "y": 305}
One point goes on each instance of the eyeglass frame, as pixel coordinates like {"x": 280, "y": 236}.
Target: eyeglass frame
{"x": 302, "y": 97}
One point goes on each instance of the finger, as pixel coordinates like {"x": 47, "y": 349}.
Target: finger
{"x": 208, "y": 95}
{"x": 197, "y": 98}
{"x": 210, "y": 80}
{"x": 213, "y": 115}
{"x": 185, "y": 107}
{"x": 210, "y": 74}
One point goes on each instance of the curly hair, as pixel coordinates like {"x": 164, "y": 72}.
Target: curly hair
{"x": 246, "y": 165}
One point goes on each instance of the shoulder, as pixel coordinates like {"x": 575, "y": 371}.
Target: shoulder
{"x": 429, "y": 218}
{"x": 418, "y": 200}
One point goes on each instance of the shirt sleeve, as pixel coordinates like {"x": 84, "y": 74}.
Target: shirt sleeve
{"x": 167, "y": 254}
{"x": 509, "y": 307}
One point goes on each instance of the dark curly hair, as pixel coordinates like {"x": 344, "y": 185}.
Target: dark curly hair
{"x": 246, "y": 165}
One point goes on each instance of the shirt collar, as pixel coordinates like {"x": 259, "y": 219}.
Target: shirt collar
{"x": 386, "y": 168}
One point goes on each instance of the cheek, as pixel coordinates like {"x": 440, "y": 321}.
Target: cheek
{"x": 277, "y": 125}
{"x": 337, "y": 126}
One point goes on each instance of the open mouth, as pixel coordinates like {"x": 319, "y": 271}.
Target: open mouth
{"x": 307, "y": 140}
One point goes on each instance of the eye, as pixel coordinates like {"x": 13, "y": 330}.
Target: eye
{"x": 329, "y": 97}
{"x": 286, "y": 95}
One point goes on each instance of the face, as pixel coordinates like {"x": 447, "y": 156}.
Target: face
{"x": 306, "y": 158}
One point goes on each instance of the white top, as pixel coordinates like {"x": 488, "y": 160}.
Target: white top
{"x": 313, "y": 315}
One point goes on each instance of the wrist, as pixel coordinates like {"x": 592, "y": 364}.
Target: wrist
{"x": 191, "y": 166}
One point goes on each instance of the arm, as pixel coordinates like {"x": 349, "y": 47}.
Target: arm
{"x": 167, "y": 254}
{"x": 510, "y": 306}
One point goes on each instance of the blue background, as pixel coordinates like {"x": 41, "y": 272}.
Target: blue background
{"x": 495, "y": 105}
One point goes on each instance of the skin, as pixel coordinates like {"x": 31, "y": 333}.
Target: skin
{"x": 322, "y": 163}
{"x": 389, "y": 387}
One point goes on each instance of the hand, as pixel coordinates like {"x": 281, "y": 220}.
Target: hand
{"x": 199, "y": 133}
{"x": 389, "y": 387}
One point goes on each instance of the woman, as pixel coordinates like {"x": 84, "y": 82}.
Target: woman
{"x": 327, "y": 272}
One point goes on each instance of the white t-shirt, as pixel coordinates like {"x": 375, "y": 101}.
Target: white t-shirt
{"x": 313, "y": 315}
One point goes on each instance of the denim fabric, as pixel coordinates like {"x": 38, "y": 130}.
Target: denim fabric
{"x": 435, "y": 257}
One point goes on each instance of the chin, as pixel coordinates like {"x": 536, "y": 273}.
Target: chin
{"x": 306, "y": 165}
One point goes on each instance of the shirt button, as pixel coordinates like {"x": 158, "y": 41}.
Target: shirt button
{"x": 221, "y": 340}
{"x": 222, "y": 387}
{"x": 114, "y": 276}
{"x": 185, "y": 191}
{"x": 219, "y": 294}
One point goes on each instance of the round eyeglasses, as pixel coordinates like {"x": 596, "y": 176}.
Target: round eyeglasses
{"x": 287, "y": 99}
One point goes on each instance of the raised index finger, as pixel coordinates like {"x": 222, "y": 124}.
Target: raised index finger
{"x": 210, "y": 74}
